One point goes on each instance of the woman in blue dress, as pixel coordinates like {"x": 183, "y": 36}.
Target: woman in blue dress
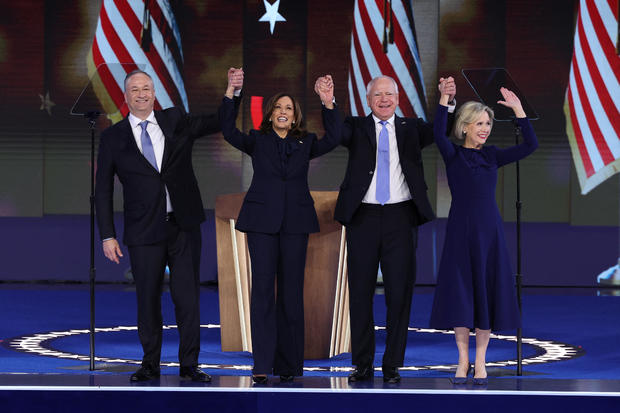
{"x": 475, "y": 283}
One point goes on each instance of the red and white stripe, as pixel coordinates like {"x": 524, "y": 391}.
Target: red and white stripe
{"x": 401, "y": 62}
{"x": 593, "y": 94}
{"x": 116, "y": 46}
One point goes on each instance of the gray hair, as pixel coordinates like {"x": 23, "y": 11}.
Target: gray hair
{"x": 468, "y": 113}
{"x": 372, "y": 83}
{"x": 135, "y": 72}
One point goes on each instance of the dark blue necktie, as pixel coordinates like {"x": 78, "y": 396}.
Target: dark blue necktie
{"x": 147, "y": 145}
{"x": 383, "y": 165}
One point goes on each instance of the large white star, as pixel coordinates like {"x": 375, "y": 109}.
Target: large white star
{"x": 271, "y": 14}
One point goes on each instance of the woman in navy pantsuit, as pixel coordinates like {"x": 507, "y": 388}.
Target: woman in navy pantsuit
{"x": 277, "y": 215}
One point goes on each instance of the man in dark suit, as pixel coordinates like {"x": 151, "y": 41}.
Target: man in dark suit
{"x": 381, "y": 202}
{"x": 151, "y": 153}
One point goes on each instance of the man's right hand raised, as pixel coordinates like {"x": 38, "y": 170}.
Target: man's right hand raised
{"x": 324, "y": 87}
{"x": 447, "y": 90}
{"x": 112, "y": 250}
{"x": 235, "y": 81}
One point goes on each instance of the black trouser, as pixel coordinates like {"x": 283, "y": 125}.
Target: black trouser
{"x": 277, "y": 323}
{"x": 181, "y": 252}
{"x": 387, "y": 235}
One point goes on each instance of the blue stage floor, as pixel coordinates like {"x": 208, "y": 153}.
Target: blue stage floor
{"x": 571, "y": 348}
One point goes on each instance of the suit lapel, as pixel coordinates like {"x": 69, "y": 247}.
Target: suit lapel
{"x": 399, "y": 130}
{"x": 371, "y": 132}
{"x": 296, "y": 159}
{"x": 127, "y": 136}
{"x": 272, "y": 143}
{"x": 168, "y": 131}
{"x": 129, "y": 141}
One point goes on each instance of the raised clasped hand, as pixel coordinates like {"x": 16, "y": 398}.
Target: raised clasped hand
{"x": 324, "y": 87}
{"x": 447, "y": 86}
{"x": 235, "y": 78}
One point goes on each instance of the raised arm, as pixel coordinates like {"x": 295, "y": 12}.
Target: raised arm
{"x": 228, "y": 114}
{"x": 235, "y": 82}
{"x": 324, "y": 87}
{"x": 447, "y": 90}
{"x": 530, "y": 142}
{"x": 199, "y": 125}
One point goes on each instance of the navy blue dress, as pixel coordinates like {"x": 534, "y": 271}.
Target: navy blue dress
{"x": 475, "y": 283}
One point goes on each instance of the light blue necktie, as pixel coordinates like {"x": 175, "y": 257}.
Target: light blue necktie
{"x": 383, "y": 165}
{"x": 147, "y": 145}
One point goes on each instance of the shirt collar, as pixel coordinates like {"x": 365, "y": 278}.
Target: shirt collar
{"x": 390, "y": 120}
{"x": 134, "y": 121}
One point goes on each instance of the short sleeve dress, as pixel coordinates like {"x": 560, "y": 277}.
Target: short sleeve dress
{"x": 475, "y": 282}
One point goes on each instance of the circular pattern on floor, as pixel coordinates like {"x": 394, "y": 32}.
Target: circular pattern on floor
{"x": 41, "y": 344}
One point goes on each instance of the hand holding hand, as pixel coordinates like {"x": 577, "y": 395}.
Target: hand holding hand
{"x": 235, "y": 81}
{"x": 324, "y": 87}
{"x": 447, "y": 90}
{"x": 512, "y": 101}
{"x": 112, "y": 250}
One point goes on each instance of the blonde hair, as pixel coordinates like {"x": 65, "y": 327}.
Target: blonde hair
{"x": 467, "y": 114}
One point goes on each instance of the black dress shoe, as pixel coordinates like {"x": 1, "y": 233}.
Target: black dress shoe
{"x": 259, "y": 379}
{"x": 195, "y": 374}
{"x": 286, "y": 378}
{"x": 390, "y": 375}
{"x": 361, "y": 374}
{"x": 145, "y": 373}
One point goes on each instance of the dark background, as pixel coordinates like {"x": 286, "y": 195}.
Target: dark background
{"x": 44, "y": 158}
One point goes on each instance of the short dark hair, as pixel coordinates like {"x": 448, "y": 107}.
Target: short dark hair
{"x": 135, "y": 72}
{"x": 298, "y": 126}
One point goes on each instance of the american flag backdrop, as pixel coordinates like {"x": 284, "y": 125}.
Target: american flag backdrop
{"x": 592, "y": 104}
{"x": 135, "y": 34}
{"x": 383, "y": 42}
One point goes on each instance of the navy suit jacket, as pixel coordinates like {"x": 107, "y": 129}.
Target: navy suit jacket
{"x": 360, "y": 137}
{"x": 278, "y": 199}
{"x": 144, "y": 192}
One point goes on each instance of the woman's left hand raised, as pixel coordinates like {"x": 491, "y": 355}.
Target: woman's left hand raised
{"x": 512, "y": 101}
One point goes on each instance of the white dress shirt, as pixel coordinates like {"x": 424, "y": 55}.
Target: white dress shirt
{"x": 157, "y": 138}
{"x": 399, "y": 190}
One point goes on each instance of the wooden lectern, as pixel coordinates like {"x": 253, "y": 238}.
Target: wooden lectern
{"x": 326, "y": 293}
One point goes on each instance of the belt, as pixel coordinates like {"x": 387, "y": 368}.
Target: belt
{"x": 170, "y": 217}
{"x": 388, "y": 206}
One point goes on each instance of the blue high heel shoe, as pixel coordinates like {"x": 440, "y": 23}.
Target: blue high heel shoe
{"x": 462, "y": 380}
{"x": 480, "y": 381}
